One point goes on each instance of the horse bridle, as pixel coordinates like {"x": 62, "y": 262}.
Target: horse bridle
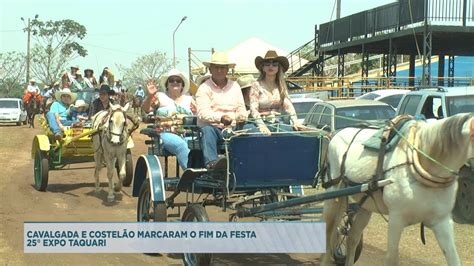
{"x": 122, "y": 135}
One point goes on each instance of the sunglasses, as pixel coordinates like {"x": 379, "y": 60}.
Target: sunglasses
{"x": 174, "y": 80}
{"x": 271, "y": 63}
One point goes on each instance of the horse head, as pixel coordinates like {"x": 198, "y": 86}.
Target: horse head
{"x": 117, "y": 131}
{"x": 447, "y": 144}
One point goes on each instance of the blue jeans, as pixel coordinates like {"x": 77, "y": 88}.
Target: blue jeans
{"x": 176, "y": 145}
{"x": 211, "y": 137}
{"x": 53, "y": 125}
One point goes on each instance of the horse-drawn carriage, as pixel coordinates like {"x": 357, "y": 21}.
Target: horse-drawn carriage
{"x": 259, "y": 181}
{"x": 395, "y": 180}
{"x": 75, "y": 147}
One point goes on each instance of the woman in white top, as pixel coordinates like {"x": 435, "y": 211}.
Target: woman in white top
{"x": 269, "y": 94}
{"x": 172, "y": 102}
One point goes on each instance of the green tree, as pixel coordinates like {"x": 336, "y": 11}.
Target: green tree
{"x": 12, "y": 71}
{"x": 144, "y": 68}
{"x": 56, "y": 45}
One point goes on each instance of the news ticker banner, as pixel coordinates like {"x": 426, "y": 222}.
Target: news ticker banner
{"x": 175, "y": 237}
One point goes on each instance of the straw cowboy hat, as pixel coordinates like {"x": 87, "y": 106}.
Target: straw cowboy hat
{"x": 219, "y": 58}
{"x": 33, "y": 80}
{"x": 177, "y": 73}
{"x": 75, "y": 66}
{"x": 65, "y": 91}
{"x": 81, "y": 103}
{"x": 245, "y": 81}
{"x": 272, "y": 55}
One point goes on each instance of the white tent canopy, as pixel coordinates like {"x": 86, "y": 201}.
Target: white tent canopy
{"x": 245, "y": 52}
{"x": 244, "y": 55}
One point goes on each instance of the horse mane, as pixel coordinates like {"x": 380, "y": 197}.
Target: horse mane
{"x": 444, "y": 135}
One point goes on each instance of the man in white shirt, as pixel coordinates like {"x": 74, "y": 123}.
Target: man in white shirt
{"x": 32, "y": 90}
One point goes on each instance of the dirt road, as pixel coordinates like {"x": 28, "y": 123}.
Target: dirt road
{"x": 70, "y": 197}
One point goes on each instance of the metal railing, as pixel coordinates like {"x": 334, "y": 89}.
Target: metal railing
{"x": 395, "y": 17}
{"x": 345, "y": 87}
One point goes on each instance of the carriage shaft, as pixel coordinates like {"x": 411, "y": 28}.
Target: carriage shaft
{"x": 309, "y": 199}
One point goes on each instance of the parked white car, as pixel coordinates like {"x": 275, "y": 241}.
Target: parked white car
{"x": 391, "y": 97}
{"x": 12, "y": 111}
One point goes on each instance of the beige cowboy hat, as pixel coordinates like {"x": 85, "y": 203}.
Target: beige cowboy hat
{"x": 245, "y": 81}
{"x": 219, "y": 58}
{"x": 81, "y": 103}
{"x": 176, "y": 73}
{"x": 65, "y": 91}
{"x": 273, "y": 56}
{"x": 33, "y": 80}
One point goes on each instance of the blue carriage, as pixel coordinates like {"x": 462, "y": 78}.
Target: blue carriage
{"x": 262, "y": 179}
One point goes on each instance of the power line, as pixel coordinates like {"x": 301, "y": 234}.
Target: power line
{"x": 111, "y": 49}
{"x": 11, "y": 30}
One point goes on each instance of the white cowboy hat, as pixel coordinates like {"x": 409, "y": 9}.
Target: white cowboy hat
{"x": 219, "y": 58}
{"x": 246, "y": 81}
{"x": 177, "y": 73}
{"x": 33, "y": 80}
{"x": 67, "y": 91}
{"x": 81, "y": 103}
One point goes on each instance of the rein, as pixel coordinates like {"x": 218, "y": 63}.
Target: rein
{"x": 421, "y": 174}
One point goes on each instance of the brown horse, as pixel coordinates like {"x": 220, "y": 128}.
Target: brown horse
{"x": 137, "y": 104}
{"x": 33, "y": 107}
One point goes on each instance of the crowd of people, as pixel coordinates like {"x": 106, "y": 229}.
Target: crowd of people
{"x": 247, "y": 103}
{"x": 220, "y": 102}
{"x": 59, "y": 99}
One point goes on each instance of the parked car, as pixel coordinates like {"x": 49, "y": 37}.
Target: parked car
{"x": 391, "y": 96}
{"x": 334, "y": 115}
{"x": 12, "y": 111}
{"x": 303, "y": 105}
{"x": 437, "y": 102}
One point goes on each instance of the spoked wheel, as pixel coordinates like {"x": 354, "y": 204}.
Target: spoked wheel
{"x": 343, "y": 230}
{"x": 147, "y": 211}
{"x": 128, "y": 169}
{"x": 196, "y": 213}
{"x": 41, "y": 170}
{"x": 463, "y": 211}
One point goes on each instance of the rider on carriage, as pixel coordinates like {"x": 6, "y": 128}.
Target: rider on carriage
{"x": 32, "y": 91}
{"x": 69, "y": 78}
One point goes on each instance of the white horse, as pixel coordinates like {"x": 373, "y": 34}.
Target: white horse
{"x": 110, "y": 145}
{"x": 422, "y": 190}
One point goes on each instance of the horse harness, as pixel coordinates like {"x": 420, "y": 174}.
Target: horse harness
{"x": 390, "y": 130}
{"x": 106, "y": 119}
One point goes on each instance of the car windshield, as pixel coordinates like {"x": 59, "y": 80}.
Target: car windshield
{"x": 369, "y": 96}
{"x": 88, "y": 95}
{"x": 460, "y": 104}
{"x": 349, "y": 116}
{"x": 8, "y": 104}
{"x": 302, "y": 108}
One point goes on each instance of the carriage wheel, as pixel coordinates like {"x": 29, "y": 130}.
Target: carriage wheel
{"x": 146, "y": 210}
{"x": 128, "y": 169}
{"x": 41, "y": 170}
{"x": 196, "y": 213}
{"x": 463, "y": 211}
{"x": 343, "y": 229}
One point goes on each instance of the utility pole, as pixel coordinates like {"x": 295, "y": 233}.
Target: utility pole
{"x": 28, "y": 57}
{"x": 338, "y": 9}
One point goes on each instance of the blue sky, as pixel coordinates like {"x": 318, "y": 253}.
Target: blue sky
{"x": 120, "y": 31}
